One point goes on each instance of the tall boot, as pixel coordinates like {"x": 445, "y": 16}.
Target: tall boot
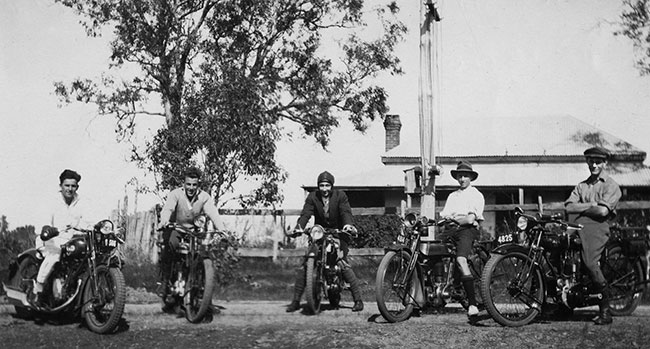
{"x": 468, "y": 285}
{"x": 355, "y": 288}
{"x": 604, "y": 312}
{"x": 298, "y": 289}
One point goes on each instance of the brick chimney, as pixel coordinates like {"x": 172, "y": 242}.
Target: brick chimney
{"x": 392, "y": 125}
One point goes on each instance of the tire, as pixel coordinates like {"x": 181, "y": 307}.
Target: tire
{"x": 334, "y": 298}
{"x": 624, "y": 276}
{"x": 508, "y": 303}
{"x": 27, "y": 269}
{"x": 313, "y": 281}
{"x": 200, "y": 286}
{"x": 393, "y": 297}
{"x": 103, "y": 311}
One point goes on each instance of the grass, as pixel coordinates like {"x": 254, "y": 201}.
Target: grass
{"x": 260, "y": 278}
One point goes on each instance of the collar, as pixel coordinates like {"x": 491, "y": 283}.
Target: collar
{"x": 74, "y": 199}
{"x": 196, "y": 196}
{"x": 603, "y": 177}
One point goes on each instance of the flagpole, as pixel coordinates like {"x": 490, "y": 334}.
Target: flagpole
{"x": 429, "y": 17}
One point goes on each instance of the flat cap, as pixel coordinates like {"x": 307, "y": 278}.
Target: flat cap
{"x": 597, "y": 152}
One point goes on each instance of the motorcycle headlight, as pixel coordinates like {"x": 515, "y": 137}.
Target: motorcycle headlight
{"x": 410, "y": 220}
{"x": 317, "y": 232}
{"x": 106, "y": 227}
{"x": 199, "y": 221}
{"x": 522, "y": 223}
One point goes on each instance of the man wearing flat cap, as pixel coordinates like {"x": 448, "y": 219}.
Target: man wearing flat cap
{"x": 330, "y": 209}
{"x": 594, "y": 200}
{"x": 463, "y": 211}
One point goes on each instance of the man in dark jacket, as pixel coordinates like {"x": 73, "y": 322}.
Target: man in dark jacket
{"x": 330, "y": 209}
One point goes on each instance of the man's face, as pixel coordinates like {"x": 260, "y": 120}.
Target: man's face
{"x": 325, "y": 189}
{"x": 596, "y": 165}
{"x": 191, "y": 185}
{"x": 69, "y": 188}
{"x": 464, "y": 179}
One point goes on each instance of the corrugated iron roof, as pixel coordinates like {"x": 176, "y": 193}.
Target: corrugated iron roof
{"x": 557, "y": 135}
{"x": 506, "y": 175}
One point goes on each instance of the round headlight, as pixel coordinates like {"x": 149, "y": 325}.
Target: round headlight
{"x": 106, "y": 227}
{"x": 522, "y": 223}
{"x": 199, "y": 221}
{"x": 410, "y": 220}
{"x": 317, "y": 232}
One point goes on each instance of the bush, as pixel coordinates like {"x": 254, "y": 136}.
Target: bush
{"x": 376, "y": 230}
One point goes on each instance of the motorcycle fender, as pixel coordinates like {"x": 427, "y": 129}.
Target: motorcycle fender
{"x": 30, "y": 253}
{"x": 507, "y": 248}
{"x": 313, "y": 251}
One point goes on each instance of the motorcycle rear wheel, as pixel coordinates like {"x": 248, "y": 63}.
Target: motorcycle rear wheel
{"x": 27, "y": 270}
{"x": 623, "y": 276}
{"x": 198, "y": 298}
{"x": 510, "y": 301}
{"x": 314, "y": 280}
{"x": 392, "y": 294}
{"x": 103, "y": 310}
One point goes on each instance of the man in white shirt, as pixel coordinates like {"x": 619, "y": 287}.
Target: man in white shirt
{"x": 69, "y": 212}
{"x": 463, "y": 211}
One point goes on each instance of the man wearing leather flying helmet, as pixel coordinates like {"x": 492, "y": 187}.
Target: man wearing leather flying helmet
{"x": 595, "y": 200}
{"x": 330, "y": 209}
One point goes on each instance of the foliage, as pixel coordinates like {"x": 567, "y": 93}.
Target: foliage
{"x": 230, "y": 74}
{"x": 635, "y": 24}
{"x": 376, "y": 230}
{"x": 225, "y": 259}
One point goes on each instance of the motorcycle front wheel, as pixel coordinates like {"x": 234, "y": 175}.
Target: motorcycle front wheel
{"x": 624, "y": 276}
{"x": 314, "y": 280}
{"x": 511, "y": 287}
{"x": 393, "y": 290}
{"x": 103, "y": 306}
{"x": 198, "y": 297}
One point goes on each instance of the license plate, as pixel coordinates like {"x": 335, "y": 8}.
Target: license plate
{"x": 506, "y": 238}
{"x": 112, "y": 243}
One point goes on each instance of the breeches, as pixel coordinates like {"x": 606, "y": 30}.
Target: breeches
{"x": 593, "y": 236}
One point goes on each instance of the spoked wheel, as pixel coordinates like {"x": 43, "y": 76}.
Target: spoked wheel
{"x": 394, "y": 287}
{"x": 200, "y": 285}
{"x": 314, "y": 281}
{"x": 104, "y": 304}
{"x": 512, "y": 289}
{"x": 624, "y": 276}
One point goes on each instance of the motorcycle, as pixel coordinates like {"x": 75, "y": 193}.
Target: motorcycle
{"x": 192, "y": 282}
{"x": 547, "y": 264}
{"x": 87, "y": 281}
{"x": 416, "y": 274}
{"x": 324, "y": 274}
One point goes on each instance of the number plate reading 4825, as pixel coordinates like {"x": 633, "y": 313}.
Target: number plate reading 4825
{"x": 505, "y": 238}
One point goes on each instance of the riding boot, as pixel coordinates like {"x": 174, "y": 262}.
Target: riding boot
{"x": 468, "y": 285}
{"x": 355, "y": 288}
{"x": 604, "y": 312}
{"x": 298, "y": 289}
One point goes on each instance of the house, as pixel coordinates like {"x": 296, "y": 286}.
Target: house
{"x": 519, "y": 161}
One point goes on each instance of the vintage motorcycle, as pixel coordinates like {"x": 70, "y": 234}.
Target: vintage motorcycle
{"x": 324, "y": 274}
{"x": 192, "y": 282}
{"x": 546, "y": 264}
{"x": 415, "y": 274}
{"x": 87, "y": 281}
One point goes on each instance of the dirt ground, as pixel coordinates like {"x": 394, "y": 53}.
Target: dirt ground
{"x": 265, "y": 324}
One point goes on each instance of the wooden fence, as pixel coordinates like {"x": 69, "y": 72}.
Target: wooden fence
{"x": 267, "y": 227}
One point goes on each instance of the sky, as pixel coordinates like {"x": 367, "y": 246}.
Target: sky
{"x": 498, "y": 58}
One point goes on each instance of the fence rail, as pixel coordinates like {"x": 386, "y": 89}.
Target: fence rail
{"x": 141, "y": 234}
